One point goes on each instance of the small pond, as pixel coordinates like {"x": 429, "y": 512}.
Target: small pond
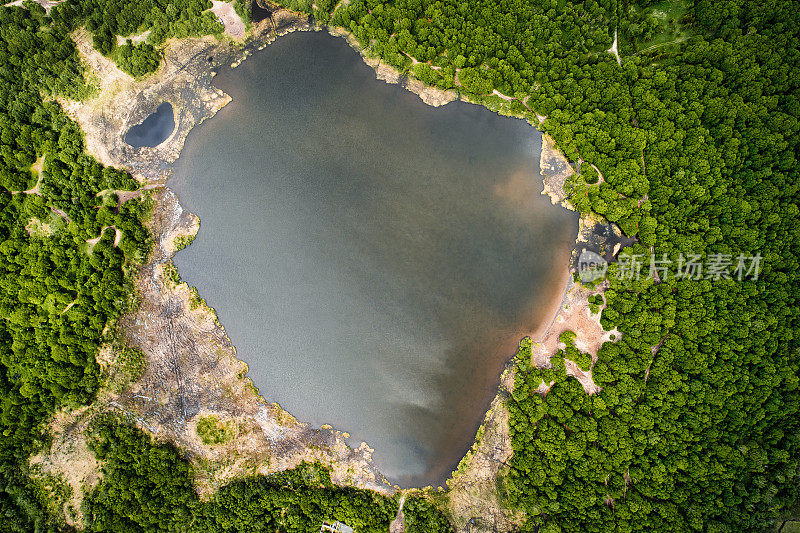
{"x": 153, "y": 130}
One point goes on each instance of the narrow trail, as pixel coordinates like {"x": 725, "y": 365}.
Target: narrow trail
{"x": 613, "y": 50}
{"x": 61, "y": 213}
{"x": 653, "y": 47}
{"x": 68, "y": 307}
{"x": 398, "y": 525}
{"x": 117, "y": 237}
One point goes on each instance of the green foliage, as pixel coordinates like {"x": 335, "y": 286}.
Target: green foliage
{"x": 212, "y": 430}
{"x": 582, "y": 359}
{"x": 422, "y": 516}
{"x": 55, "y": 298}
{"x": 137, "y": 60}
{"x": 696, "y": 136}
{"x": 129, "y": 366}
{"x": 589, "y": 174}
{"x": 298, "y": 500}
{"x": 568, "y": 337}
{"x": 427, "y": 74}
{"x": 650, "y": 27}
{"x": 241, "y": 8}
{"x": 24, "y": 505}
{"x": 183, "y": 241}
{"x": 696, "y": 426}
{"x": 171, "y": 273}
{"x": 145, "y": 486}
{"x": 298, "y": 5}
{"x": 194, "y": 299}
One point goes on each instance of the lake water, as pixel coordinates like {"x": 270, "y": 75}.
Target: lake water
{"x": 374, "y": 260}
{"x": 153, "y": 130}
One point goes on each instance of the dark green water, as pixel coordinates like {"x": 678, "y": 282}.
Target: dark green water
{"x": 374, "y": 260}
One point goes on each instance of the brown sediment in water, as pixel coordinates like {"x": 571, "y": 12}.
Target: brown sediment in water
{"x": 534, "y": 322}
{"x": 418, "y": 395}
{"x": 474, "y": 488}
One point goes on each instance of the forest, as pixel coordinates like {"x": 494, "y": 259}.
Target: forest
{"x": 163, "y": 19}
{"x": 694, "y": 132}
{"x": 59, "y": 289}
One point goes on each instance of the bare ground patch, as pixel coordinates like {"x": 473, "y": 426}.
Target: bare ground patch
{"x": 432, "y": 96}
{"x": 556, "y": 169}
{"x": 475, "y": 502}
{"x": 574, "y": 315}
{"x": 69, "y": 458}
{"x": 183, "y": 79}
{"x": 190, "y": 366}
{"x": 234, "y": 26}
{"x": 476, "y": 488}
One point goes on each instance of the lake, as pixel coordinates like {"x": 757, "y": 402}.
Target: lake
{"x": 374, "y": 260}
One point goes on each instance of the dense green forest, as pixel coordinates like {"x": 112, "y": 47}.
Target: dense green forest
{"x": 62, "y": 292}
{"x": 695, "y": 135}
{"x": 109, "y": 19}
{"x": 58, "y": 290}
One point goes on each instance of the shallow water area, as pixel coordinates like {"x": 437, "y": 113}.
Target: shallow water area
{"x": 154, "y": 130}
{"x": 374, "y": 260}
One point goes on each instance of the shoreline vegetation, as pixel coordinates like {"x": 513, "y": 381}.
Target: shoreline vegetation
{"x": 676, "y": 345}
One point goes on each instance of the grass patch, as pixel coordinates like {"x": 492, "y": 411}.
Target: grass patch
{"x": 183, "y": 241}
{"x": 171, "y": 273}
{"x": 212, "y": 430}
{"x": 654, "y": 27}
{"x": 128, "y": 365}
{"x": 194, "y": 299}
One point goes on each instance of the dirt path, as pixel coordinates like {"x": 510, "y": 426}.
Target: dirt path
{"x": 613, "y": 50}
{"x": 123, "y": 195}
{"x": 653, "y": 47}
{"x": 33, "y": 190}
{"x": 46, "y": 4}
{"x": 117, "y": 237}
{"x": 339, "y": 4}
{"x": 504, "y": 96}
{"x": 234, "y": 26}
{"x": 134, "y": 39}
{"x": 62, "y": 214}
{"x": 398, "y": 525}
